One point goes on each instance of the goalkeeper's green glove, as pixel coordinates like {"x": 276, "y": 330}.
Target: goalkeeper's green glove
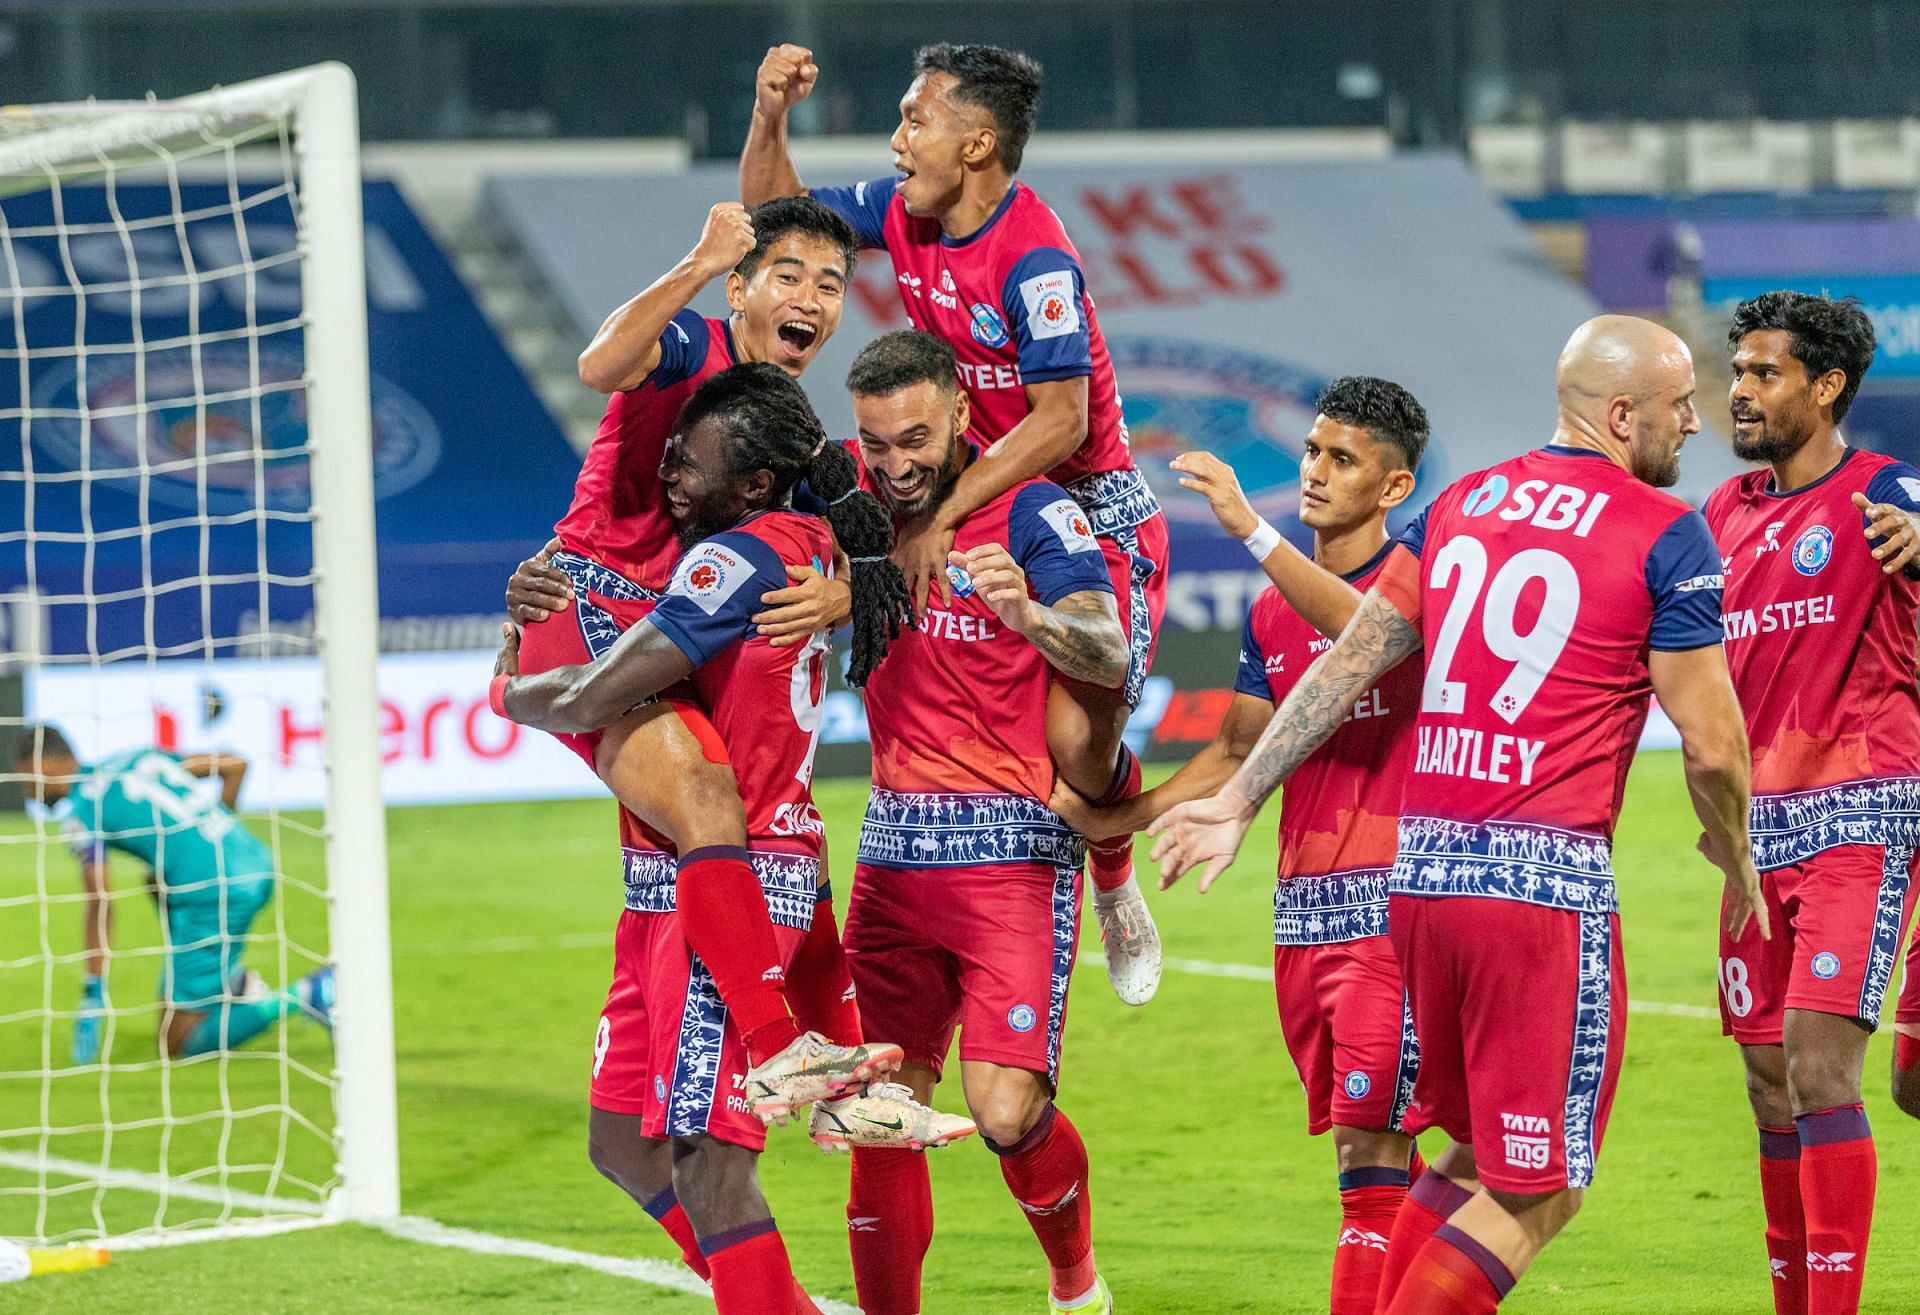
{"x": 93, "y": 1012}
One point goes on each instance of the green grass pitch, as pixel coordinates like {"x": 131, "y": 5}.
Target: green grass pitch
{"x": 1208, "y": 1195}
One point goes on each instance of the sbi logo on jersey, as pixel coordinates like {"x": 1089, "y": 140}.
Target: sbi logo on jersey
{"x": 1485, "y": 498}
{"x": 1826, "y": 964}
{"x": 989, "y": 328}
{"x": 1358, "y": 1084}
{"x": 1021, "y": 1018}
{"x": 1812, "y": 550}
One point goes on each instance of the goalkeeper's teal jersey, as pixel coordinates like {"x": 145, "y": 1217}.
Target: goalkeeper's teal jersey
{"x": 143, "y": 802}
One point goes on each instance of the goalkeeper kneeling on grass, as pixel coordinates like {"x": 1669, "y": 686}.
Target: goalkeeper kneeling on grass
{"x": 208, "y": 874}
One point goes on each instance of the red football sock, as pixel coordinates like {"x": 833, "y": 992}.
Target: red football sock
{"x": 1452, "y": 1275}
{"x": 1430, "y": 1202}
{"x": 1046, "y": 1171}
{"x": 1110, "y": 862}
{"x": 819, "y": 984}
{"x": 1838, "y": 1172}
{"x": 751, "y": 1275}
{"x": 1786, "y": 1227}
{"x": 1369, "y": 1200}
{"x": 666, "y": 1211}
{"x": 889, "y": 1227}
{"x": 723, "y": 915}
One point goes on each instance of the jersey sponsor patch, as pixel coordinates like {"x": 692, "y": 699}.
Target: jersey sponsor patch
{"x": 710, "y": 575}
{"x": 1068, "y": 521}
{"x": 1053, "y": 311}
{"x": 1699, "y": 582}
{"x": 1909, "y": 486}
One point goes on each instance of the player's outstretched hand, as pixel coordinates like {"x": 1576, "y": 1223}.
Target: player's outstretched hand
{"x": 811, "y": 604}
{"x": 538, "y": 588}
{"x": 507, "y": 661}
{"x": 786, "y": 75}
{"x": 1207, "y": 474}
{"x": 1201, "y": 833}
{"x": 1000, "y": 583}
{"x": 1900, "y": 529}
{"x": 1081, "y": 813}
{"x": 921, "y": 550}
{"x": 727, "y": 237}
{"x": 1741, "y": 900}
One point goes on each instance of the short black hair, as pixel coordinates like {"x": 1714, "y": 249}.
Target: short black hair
{"x": 785, "y": 216}
{"x": 48, "y": 739}
{"x": 1827, "y": 335}
{"x": 902, "y": 359}
{"x": 1388, "y": 412}
{"x": 1004, "y": 83}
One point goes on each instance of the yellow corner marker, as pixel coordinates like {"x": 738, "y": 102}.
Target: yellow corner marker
{"x": 66, "y": 1260}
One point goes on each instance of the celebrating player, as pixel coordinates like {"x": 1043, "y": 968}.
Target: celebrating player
{"x": 1552, "y": 592}
{"x": 786, "y": 268}
{"x": 1822, "y": 555}
{"x": 674, "y": 1105}
{"x": 965, "y": 907}
{"x": 1342, "y": 1007}
{"x": 209, "y": 875}
{"x": 984, "y": 264}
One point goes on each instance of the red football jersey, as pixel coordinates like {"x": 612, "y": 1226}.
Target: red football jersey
{"x": 765, "y": 702}
{"x": 1542, "y": 583}
{"x": 957, "y": 711}
{"x": 1821, "y": 643}
{"x": 619, "y": 517}
{"x": 1340, "y": 812}
{"x": 1012, "y": 301}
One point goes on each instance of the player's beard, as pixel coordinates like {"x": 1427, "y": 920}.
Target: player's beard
{"x": 937, "y": 493}
{"x": 1767, "y": 445}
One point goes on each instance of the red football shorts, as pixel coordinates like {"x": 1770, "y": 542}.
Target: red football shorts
{"x": 1136, "y": 558}
{"x": 986, "y": 949}
{"x": 1907, "y": 1012}
{"x": 1343, "y": 1012}
{"x": 1521, "y": 1012}
{"x": 1837, "y": 919}
{"x": 665, "y": 1048}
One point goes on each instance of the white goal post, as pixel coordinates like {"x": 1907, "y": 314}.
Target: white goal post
{"x": 284, "y": 143}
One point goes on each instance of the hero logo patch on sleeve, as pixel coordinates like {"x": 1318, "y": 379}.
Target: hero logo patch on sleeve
{"x": 1068, "y": 521}
{"x": 710, "y": 575}
{"x": 1053, "y": 306}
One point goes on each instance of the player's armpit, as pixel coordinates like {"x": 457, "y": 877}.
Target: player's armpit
{"x": 594, "y": 695}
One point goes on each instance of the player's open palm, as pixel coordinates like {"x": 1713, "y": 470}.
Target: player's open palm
{"x": 1898, "y": 528}
{"x": 1201, "y": 833}
{"x": 1214, "y": 479}
{"x": 786, "y": 75}
{"x": 1741, "y": 901}
{"x": 727, "y": 237}
{"x": 922, "y": 550}
{"x": 1000, "y": 583}
{"x": 538, "y": 587}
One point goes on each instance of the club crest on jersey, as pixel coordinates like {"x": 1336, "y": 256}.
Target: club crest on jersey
{"x": 1826, "y": 965}
{"x": 962, "y": 582}
{"x": 1022, "y": 1018}
{"x": 1358, "y": 1084}
{"x": 710, "y": 575}
{"x": 989, "y": 328}
{"x": 1812, "y": 550}
{"x": 1067, "y": 520}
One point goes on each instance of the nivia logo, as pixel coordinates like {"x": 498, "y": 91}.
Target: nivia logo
{"x": 1362, "y": 1237}
{"x": 1812, "y": 550}
{"x": 1021, "y": 1018}
{"x": 1485, "y": 498}
{"x": 1358, "y": 1084}
{"x": 1832, "y": 1262}
{"x": 1826, "y": 965}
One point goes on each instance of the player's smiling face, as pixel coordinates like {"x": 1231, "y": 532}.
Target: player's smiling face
{"x": 703, "y": 496}
{"x": 1772, "y": 399}
{"x": 1346, "y": 477}
{"x": 911, "y": 444}
{"x": 936, "y": 138}
{"x": 792, "y": 304}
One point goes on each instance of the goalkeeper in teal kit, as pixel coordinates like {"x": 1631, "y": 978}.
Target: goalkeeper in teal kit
{"x": 209, "y": 875}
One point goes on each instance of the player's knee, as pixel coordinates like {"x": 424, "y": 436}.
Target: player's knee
{"x": 1006, "y": 1113}
{"x": 1817, "y": 1079}
{"x": 1906, "y": 1084}
{"x": 1369, "y": 1148}
{"x": 1767, "y": 1092}
{"x": 717, "y": 1183}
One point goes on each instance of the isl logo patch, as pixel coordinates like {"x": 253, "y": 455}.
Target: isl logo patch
{"x": 1812, "y": 550}
{"x": 1826, "y": 965}
{"x": 1021, "y": 1018}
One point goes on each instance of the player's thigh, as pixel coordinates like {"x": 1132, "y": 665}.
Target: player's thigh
{"x": 201, "y": 953}
{"x": 1015, "y": 927}
{"x": 1907, "y": 1011}
{"x": 1543, "y": 1034}
{"x": 905, "y": 976}
{"x": 1085, "y": 724}
{"x": 1850, "y": 905}
{"x": 1754, "y": 972}
{"x": 1375, "y": 1056}
{"x": 621, "y": 1074}
{"x": 1425, "y": 955}
{"x": 1306, "y": 1028}
{"x": 669, "y": 767}
{"x": 605, "y": 605}
{"x": 697, "y": 1083}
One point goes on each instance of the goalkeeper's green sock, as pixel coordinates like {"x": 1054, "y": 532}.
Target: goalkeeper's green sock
{"x": 230, "y": 1026}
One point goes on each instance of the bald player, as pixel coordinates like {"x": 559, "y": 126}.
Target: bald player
{"x": 1553, "y": 593}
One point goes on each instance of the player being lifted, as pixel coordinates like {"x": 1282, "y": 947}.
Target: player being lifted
{"x": 1822, "y": 551}
{"x": 673, "y": 1105}
{"x": 985, "y": 265}
{"x": 1342, "y": 1007}
{"x": 1552, "y": 593}
{"x": 965, "y": 907}
{"x": 208, "y": 874}
{"x": 786, "y": 269}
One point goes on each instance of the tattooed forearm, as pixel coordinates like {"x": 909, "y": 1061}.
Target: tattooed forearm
{"x": 1081, "y": 636}
{"x": 1375, "y": 641}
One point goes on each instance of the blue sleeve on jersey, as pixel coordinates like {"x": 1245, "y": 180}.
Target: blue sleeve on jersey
{"x": 1043, "y": 298}
{"x": 683, "y": 349}
{"x": 1414, "y": 537}
{"x": 1050, "y": 538}
{"x": 863, "y": 206}
{"x": 715, "y": 591}
{"x": 1252, "y": 677}
{"x": 1897, "y": 485}
{"x": 807, "y": 502}
{"x": 1684, "y": 578}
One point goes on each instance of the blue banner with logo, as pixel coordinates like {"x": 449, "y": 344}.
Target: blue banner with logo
{"x": 1891, "y": 301}
{"x": 158, "y": 496}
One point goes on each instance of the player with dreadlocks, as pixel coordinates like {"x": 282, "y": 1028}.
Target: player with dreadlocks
{"x": 669, "y": 1125}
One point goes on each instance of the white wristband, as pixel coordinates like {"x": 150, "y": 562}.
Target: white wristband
{"x": 1262, "y": 541}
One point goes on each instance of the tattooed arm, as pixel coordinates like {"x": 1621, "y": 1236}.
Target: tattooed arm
{"x": 1080, "y": 634}
{"x": 1207, "y": 832}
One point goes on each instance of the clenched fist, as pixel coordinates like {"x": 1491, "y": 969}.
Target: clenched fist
{"x": 786, "y": 75}
{"x": 727, "y": 237}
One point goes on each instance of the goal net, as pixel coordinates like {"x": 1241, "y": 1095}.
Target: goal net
{"x": 184, "y": 479}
